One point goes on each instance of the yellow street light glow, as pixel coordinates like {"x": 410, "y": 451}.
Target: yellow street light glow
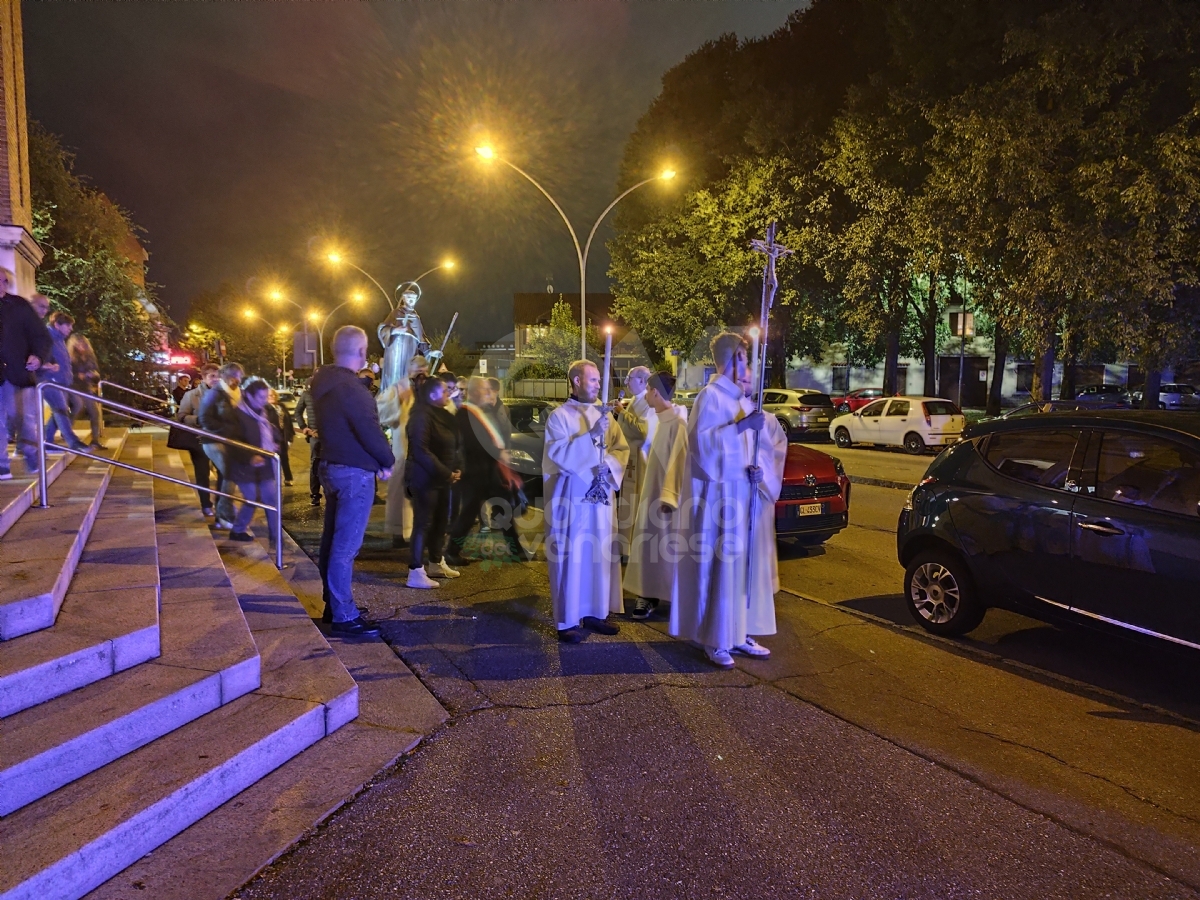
{"x": 667, "y": 174}
{"x": 313, "y": 316}
{"x": 248, "y": 313}
{"x": 358, "y": 297}
{"x": 448, "y": 264}
{"x": 486, "y": 152}
{"x": 283, "y": 328}
{"x": 334, "y": 257}
{"x": 276, "y": 295}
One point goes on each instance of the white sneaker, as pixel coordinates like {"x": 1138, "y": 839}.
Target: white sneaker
{"x": 442, "y": 570}
{"x": 418, "y": 579}
{"x": 719, "y": 657}
{"x": 752, "y": 648}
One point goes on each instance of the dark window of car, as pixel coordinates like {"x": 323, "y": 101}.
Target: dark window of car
{"x": 941, "y": 408}
{"x": 841, "y": 378}
{"x": 870, "y": 392}
{"x": 774, "y": 397}
{"x": 1141, "y": 470}
{"x": 1037, "y": 457}
{"x": 898, "y": 408}
{"x": 815, "y": 400}
{"x": 873, "y": 410}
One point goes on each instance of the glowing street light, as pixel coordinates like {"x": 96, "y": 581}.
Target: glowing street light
{"x": 488, "y": 153}
{"x": 316, "y": 318}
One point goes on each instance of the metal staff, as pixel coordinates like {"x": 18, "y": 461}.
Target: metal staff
{"x": 773, "y": 251}
{"x": 441, "y": 352}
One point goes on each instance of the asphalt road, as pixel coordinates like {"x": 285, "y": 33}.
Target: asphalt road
{"x": 863, "y": 759}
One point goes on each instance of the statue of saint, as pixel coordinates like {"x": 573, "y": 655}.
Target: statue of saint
{"x": 403, "y": 338}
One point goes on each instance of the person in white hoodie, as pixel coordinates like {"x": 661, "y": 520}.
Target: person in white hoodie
{"x": 656, "y": 543}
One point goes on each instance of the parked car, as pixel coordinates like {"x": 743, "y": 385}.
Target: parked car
{"x": 1178, "y": 396}
{"x": 1090, "y": 518}
{"x": 527, "y": 440}
{"x": 814, "y": 503}
{"x": 1112, "y": 392}
{"x": 856, "y": 399}
{"x": 914, "y": 423}
{"x": 800, "y": 413}
{"x": 1029, "y": 409}
{"x": 685, "y": 398}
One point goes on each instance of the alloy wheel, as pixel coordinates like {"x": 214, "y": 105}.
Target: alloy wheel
{"x": 935, "y": 593}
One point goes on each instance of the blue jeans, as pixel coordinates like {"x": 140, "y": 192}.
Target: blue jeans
{"x": 262, "y": 491}
{"x": 216, "y": 453}
{"x": 61, "y": 419}
{"x": 20, "y": 406}
{"x": 349, "y": 493}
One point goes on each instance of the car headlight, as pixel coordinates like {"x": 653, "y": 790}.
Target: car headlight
{"x": 520, "y": 456}
{"x": 838, "y": 467}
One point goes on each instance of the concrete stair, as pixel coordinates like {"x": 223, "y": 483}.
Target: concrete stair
{"x": 18, "y": 495}
{"x": 42, "y": 547}
{"x": 98, "y": 775}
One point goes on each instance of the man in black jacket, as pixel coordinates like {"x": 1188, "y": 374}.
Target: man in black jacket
{"x": 306, "y": 418}
{"x": 24, "y": 347}
{"x": 353, "y": 450}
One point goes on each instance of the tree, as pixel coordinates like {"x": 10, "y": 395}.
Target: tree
{"x": 87, "y": 270}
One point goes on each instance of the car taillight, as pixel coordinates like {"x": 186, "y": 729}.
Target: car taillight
{"x": 928, "y": 418}
{"x": 803, "y": 408}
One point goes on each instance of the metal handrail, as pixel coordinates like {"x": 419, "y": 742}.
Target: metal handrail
{"x": 169, "y": 423}
{"x": 100, "y": 388}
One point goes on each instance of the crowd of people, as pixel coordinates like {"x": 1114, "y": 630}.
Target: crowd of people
{"x": 37, "y": 346}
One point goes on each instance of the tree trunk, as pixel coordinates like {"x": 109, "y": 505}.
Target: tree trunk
{"x": 1001, "y": 344}
{"x": 1043, "y": 374}
{"x": 891, "y": 362}
{"x": 1151, "y": 387}
{"x": 1066, "y": 390}
{"x": 929, "y": 347}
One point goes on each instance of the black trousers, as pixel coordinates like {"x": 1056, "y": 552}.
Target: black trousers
{"x": 474, "y": 494}
{"x": 314, "y": 476}
{"x": 285, "y": 463}
{"x": 203, "y": 468}
{"x": 431, "y": 507}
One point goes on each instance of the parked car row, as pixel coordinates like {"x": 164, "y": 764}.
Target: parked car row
{"x": 1090, "y": 517}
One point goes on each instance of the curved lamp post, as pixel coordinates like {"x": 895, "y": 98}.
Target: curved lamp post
{"x": 448, "y": 264}
{"x": 279, "y": 329}
{"x": 316, "y": 318}
{"x": 489, "y": 154}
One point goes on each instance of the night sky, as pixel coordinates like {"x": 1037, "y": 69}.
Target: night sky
{"x": 247, "y": 138}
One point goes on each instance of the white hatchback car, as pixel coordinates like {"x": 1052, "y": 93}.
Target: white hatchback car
{"x": 914, "y": 423}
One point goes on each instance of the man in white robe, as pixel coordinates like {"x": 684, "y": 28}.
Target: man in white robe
{"x": 582, "y": 441}
{"x": 637, "y": 421}
{"x": 711, "y": 609}
{"x": 656, "y": 544}
{"x": 772, "y": 456}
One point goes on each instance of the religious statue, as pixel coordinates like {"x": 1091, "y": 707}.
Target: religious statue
{"x": 403, "y": 338}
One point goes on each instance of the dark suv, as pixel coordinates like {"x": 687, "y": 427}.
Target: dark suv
{"x": 1087, "y": 517}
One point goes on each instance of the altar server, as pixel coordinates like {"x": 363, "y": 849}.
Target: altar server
{"x": 637, "y": 421}
{"x": 772, "y": 456}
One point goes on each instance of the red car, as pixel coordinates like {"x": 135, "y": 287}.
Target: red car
{"x": 814, "y": 504}
{"x": 856, "y": 399}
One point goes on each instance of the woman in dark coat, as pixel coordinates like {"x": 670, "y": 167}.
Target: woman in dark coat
{"x": 434, "y": 463}
{"x": 282, "y": 419}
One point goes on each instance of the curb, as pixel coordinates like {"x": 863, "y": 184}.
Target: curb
{"x": 882, "y": 482}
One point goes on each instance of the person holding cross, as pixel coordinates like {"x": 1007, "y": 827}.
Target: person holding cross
{"x": 713, "y": 575}
{"x": 582, "y": 466}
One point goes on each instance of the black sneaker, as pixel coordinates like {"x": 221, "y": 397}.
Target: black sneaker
{"x": 599, "y": 625}
{"x": 359, "y": 627}
{"x": 572, "y": 635}
{"x": 398, "y": 542}
{"x": 453, "y": 559}
{"x": 327, "y": 615}
{"x": 243, "y": 536}
{"x": 316, "y": 500}
{"x": 641, "y": 609}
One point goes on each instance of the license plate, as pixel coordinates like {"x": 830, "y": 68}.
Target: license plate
{"x": 808, "y": 509}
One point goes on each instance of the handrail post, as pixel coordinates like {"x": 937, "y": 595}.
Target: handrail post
{"x": 43, "y": 501}
{"x": 278, "y": 466}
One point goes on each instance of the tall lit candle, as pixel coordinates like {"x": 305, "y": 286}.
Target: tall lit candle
{"x": 607, "y": 365}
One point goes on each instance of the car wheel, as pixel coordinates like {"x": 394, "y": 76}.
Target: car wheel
{"x": 844, "y": 408}
{"x": 1162, "y": 405}
{"x": 914, "y": 443}
{"x": 785, "y": 425}
{"x": 941, "y": 594}
{"x": 842, "y": 438}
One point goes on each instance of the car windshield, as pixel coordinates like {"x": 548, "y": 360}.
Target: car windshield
{"x": 528, "y": 418}
{"x": 941, "y": 408}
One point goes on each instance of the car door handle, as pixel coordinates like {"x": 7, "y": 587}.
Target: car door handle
{"x": 1102, "y": 528}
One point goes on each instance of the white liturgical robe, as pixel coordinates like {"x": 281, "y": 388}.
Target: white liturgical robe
{"x": 656, "y": 544}
{"x": 638, "y": 421}
{"x": 711, "y": 609}
{"x": 581, "y": 539}
{"x": 394, "y": 404}
{"x": 764, "y": 579}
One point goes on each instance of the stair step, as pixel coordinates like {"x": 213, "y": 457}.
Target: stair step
{"x": 117, "y": 574}
{"x": 18, "y": 495}
{"x": 77, "y": 838}
{"x": 40, "y": 551}
{"x": 209, "y": 658}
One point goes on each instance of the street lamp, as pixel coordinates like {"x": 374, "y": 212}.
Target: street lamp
{"x": 278, "y": 329}
{"x": 489, "y": 154}
{"x": 337, "y": 259}
{"x": 448, "y": 264}
{"x": 316, "y": 319}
